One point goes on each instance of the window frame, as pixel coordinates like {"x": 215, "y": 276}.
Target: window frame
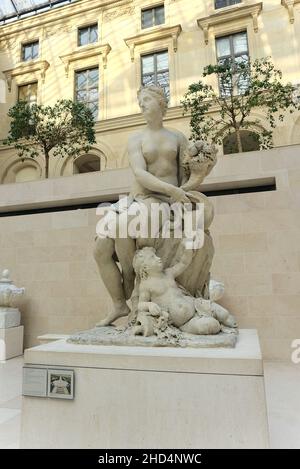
{"x": 232, "y": 55}
{"x": 27, "y": 44}
{"x": 86, "y": 69}
{"x": 152, "y": 8}
{"x": 21, "y": 85}
{"x": 88, "y": 27}
{"x": 155, "y": 73}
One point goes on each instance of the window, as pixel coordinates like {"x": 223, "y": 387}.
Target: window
{"x": 153, "y": 16}
{"x": 86, "y": 89}
{"x": 88, "y": 35}
{"x": 28, "y": 93}
{"x": 86, "y": 164}
{"x": 232, "y": 49}
{"x": 225, "y": 3}
{"x": 155, "y": 70}
{"x": 249, "y": 141}
{"x": 30, "y": 51}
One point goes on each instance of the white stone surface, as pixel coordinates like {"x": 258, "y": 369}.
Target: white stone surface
{"x": 9, "y": 317}
{"x": 11, "y": 342}
{"x": 10, "y": 402}
{"x": 127, "y": 397}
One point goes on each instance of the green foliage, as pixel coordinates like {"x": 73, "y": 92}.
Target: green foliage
{"x": 65, "y": 129}
{"x": 244, "y": 86}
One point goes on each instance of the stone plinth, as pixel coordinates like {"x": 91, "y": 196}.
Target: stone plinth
{"x": 11, "y": 342}
{"x": 142, "y": 397}
{"x": 9, "y": 317}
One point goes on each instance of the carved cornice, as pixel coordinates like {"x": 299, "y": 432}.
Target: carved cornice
{"x": 85, "y": 53}
{"x": 153, "y": 36}
{"x": 289, "y": 4}
{"x": 224, "y": 16}
{"x": 25, "y": 68}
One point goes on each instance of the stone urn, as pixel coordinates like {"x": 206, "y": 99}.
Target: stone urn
{"x": 9, "y": 315}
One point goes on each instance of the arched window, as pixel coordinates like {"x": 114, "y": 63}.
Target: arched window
{"x": 86, "y": 164}
{"x": 249, "y": 142}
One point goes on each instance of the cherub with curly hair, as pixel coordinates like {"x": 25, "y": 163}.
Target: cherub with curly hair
{"x": 160, "y": 297}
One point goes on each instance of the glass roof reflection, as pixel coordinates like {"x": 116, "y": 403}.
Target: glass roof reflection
{"x": 12, "y": 10}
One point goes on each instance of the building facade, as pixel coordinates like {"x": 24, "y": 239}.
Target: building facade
{"x": 101, "y": 52}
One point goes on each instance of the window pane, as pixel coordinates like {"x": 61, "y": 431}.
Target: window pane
{"x": 94, "y": 108}
{"x": 28, "y": 93}
{"x": 225, "y": 3}
{"x": 223, "y": 46}
{"x": 240, "y": 43}
{"x": 27, "y": 53}
{"x": 148, "y": 80}
{"x": 148, "y": 64}
{"x": 22, "y": 93}
{"x": 82, "y": 95}
{"x": 160, "y": 15}
{"x": 163, "y": 81}
{"x": 35, "y": 50}
{"x": 162, "y": 61}
{"x": 83, "y": 36}
{"x": 81, "y": 80}
{"x": 93, "y": 77}
{"x": 93, "y": 95}
{"x": 32, "y": 93}
{"x": 147, "y": 18}
{"x": 94, "y": 34}
{"x": 87, "y": 89}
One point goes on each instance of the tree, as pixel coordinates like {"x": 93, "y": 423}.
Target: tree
{"x": 65, "y": 129}
{"x": 243, "y": 87}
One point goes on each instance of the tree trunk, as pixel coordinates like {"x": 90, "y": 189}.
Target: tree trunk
{"x": 46, "y": 164}
{"x": 239, "y": 140}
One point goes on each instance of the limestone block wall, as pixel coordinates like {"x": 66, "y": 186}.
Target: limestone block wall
{"x": 256, "y": 237}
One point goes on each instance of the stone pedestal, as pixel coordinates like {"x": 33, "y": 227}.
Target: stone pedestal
{"x": 9, "y": 317}
{"x": 11, "y": 342}
{"x": 138, "y": 397}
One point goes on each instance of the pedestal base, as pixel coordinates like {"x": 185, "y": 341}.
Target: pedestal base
{"x": 11, "y": 342}
{"x": 138, "y": 397}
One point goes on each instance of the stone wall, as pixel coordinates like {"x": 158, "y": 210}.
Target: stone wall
{"x": 256, "y": 237}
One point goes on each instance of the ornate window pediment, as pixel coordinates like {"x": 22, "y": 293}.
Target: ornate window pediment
{"x": 161, "y": 33}
{"x": 85, "y": 53}
{"x": 289, "y": 4}
{"x": 40, "y": 66}
{"x": 232, "y": 14}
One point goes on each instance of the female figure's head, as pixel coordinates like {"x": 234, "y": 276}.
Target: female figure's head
{"x": 146, "y": 262}
{"x": 152, "y": 101}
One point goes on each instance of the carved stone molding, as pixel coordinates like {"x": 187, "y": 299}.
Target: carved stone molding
{"x": 161, "y": 33}
{"x": 289, "y": 4}
{"x": 240, "y": 11}
{"x": 85, "y": 53}
{"x": 40, "y": 66}
{"x": 49, "y": 31}
{"x": 111, "y": 15}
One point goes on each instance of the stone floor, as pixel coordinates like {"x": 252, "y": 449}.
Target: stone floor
{"x": 282, "y": 391}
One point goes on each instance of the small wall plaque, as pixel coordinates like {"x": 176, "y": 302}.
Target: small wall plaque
{"x": 34, "y": 382}
{"x": 61, "y": 384}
